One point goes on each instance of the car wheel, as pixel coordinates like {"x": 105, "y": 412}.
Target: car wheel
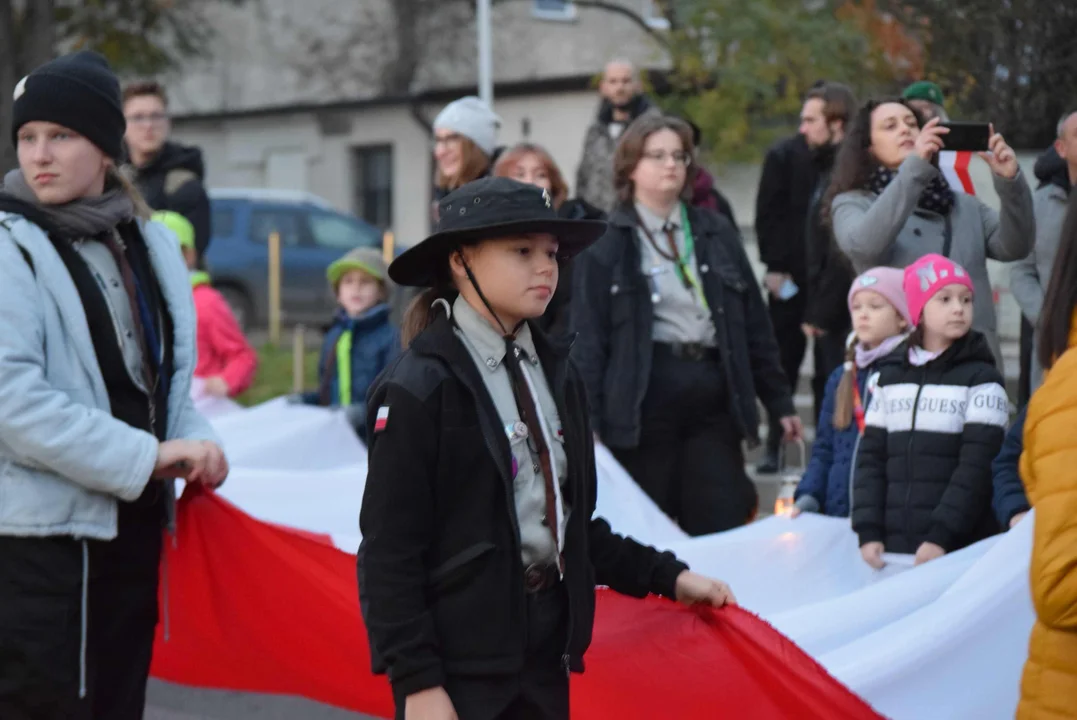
{"x": 240, "y": 304}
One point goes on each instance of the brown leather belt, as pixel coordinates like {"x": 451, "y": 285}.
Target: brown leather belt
{"x": 539, "y": 577}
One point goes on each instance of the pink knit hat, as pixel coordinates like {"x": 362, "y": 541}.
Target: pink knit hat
{"x": 887, "y": 282}
{"x": 927, "y": 276}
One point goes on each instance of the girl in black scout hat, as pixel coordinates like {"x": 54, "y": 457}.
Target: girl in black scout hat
{"x": 480, "y": 555}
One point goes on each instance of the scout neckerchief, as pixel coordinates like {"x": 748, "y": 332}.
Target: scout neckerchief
{"x": 524, "y": 393}
{"x": 858, "y": 406}
{"x": 681, "y": 261}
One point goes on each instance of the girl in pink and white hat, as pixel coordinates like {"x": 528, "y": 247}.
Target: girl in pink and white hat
{"x": 880, "y": 320}
{"x": 922, "y": 483}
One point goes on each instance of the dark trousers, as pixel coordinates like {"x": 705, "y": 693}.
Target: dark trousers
{"x": 539, "y": 691}
{"x": 828, "y": 353}
{"x": 1024, "y": 383}
{"x": 689, "y": 459}
{"x": 787, "y": 316}
{"x": 41, "y": 586}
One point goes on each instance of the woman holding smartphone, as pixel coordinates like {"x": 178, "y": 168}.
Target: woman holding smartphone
{"x": 890, "y": 205}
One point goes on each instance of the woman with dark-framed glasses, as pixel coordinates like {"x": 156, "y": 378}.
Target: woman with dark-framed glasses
{"x": 674, "y": 340}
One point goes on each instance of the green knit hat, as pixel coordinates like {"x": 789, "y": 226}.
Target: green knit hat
{"x": 178, "y": 224}
{"x": 924, "y": 90}
{"x": 365, "y": 259}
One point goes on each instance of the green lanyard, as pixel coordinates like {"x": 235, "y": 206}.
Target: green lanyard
{"x": 683, "y": 264}
{"x": 344, "y": 368}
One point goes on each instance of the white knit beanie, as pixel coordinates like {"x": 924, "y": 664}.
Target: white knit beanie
{"x": 472, "y": 118}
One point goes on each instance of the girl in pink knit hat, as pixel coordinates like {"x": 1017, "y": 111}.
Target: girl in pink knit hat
{"x": 880, "y": 319}
{"x": 922, "y": 483}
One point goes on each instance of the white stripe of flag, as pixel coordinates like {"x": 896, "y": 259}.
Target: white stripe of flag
{"x": 955, "y": 168}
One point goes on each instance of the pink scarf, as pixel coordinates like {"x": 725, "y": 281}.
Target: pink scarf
{"x": 866, "y": 358}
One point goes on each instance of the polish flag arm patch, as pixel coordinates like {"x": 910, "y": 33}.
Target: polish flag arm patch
{"x": 382, "y": 420}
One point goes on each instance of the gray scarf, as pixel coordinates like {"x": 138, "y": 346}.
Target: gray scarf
{"x": 84, "y": 217}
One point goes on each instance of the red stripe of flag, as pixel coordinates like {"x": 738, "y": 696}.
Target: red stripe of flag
{"x": 961, "y": 168}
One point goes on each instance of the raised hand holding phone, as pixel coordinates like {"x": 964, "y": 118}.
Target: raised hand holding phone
{"x": 930, "y": 139}
{"x": 1000, "y": 156}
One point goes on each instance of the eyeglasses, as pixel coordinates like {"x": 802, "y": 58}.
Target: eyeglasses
{"x": 661, "y": 157}
{"x": 147, "y": 119}
{"x": 448, "y": 139}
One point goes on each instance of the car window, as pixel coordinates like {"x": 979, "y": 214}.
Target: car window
{"x": 340, "y": 232}
{"x": 289, "y": 223}
{"x": 223, "y": 221}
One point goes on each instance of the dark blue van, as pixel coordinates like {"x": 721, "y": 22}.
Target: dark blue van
{"x": 312, "y": 235}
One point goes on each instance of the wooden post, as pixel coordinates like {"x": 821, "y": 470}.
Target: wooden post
{"x": 387, "y": 249}
{"x": 274, "y": 288}
{"x": 299, "y": 357}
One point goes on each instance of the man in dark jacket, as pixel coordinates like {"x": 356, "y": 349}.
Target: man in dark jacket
{"x": 781, "y": 210}
{"x": 1056, "y": 171}
{"x": 622, "y": 102}
{"x": 170, "y": 176}
{"x": 829, "y": 273}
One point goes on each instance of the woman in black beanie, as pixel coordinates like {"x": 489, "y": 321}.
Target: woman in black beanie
{"x": 97, "y": 349}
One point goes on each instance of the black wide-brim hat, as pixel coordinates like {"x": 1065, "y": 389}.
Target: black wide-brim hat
{"x": 491, "y": 208}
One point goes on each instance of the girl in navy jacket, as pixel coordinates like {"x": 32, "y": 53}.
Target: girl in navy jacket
{"x": 880, "y": 318}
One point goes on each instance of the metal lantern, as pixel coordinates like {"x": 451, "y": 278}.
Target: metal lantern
{"x": 790, "y": 479}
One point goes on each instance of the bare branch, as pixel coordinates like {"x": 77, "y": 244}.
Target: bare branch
{"x": 617, "y": 9}
{"x": 637, "y": 19}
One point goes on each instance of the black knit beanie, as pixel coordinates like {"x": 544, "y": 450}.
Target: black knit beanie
{"x": 78, "y": 91}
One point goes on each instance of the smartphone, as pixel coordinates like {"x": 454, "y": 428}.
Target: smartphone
{"x": 966, "y": 136}
{"x": 788, "y": 290}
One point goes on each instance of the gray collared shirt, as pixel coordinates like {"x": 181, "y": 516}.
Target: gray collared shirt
{"x": 108, "y": 277}
{"x": 487, "y": 349}
{"x": 680, "y": 315}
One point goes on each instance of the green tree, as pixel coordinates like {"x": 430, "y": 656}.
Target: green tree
{"x": 740, "y": 68}
{"x": 1009, "y": 62}
{"x": 137, "y": 36}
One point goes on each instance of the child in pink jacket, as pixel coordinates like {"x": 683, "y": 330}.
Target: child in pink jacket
{"x": 226, "y": 361}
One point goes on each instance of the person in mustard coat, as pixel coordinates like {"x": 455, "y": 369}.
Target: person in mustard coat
{"x": 1049, "y": 685}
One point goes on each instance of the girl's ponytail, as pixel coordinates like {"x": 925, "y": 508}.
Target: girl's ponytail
{"x": 843, "y": 400}
{"x": 423, "y": 309}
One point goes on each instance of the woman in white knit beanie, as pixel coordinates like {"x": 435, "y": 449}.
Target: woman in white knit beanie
{"x": 465, "y": 140}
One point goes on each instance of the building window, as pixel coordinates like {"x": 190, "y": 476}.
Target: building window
{"x": 372, "y": 170}
{"x": 553, "y": 9}
{"x": 653, "y": 16}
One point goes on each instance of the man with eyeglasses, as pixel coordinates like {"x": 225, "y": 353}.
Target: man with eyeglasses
{"x": 169, "y": 175}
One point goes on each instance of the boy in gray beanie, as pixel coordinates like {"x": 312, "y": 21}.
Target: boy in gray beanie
{"x": 362, "y": 341}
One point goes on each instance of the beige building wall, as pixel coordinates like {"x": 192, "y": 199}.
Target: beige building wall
{"x": 290, "y": 151}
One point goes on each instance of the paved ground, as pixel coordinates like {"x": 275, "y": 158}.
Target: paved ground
{"x": 166, "y": 701}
